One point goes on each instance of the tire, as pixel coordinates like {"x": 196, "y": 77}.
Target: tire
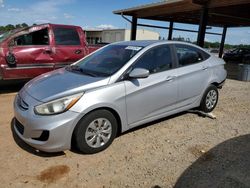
{"x": 209, "y": 99}
{"x": 95, "y": 132}
{"x": 11, "y": 60}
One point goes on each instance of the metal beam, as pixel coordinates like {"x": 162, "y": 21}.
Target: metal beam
{"x": 202, "y": 26}
{"x": 153, "y": 26}
{"x": 126, "y": 18}
{"x": 212, "y": 33}
{"x": 133, "y": 28}
{"x": 230, "y": 16}
{"x": 170, "y": 31}
{"x": 222, "y": 41}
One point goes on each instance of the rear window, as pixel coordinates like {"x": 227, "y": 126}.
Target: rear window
{"x": 66, "y": 36}
{"x": 188, "y": 55}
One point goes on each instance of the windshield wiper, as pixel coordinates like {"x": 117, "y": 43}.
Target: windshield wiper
{"x": 81, "y": 70}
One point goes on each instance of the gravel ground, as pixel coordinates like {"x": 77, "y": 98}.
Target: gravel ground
{"x": 185, "y": 150}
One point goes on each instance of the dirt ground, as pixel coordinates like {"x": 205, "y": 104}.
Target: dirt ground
{"x": 185, "y": 150}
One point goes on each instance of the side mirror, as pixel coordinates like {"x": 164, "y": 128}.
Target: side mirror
{"x": 139, "y": 73}
{"x": 11, "y": 43}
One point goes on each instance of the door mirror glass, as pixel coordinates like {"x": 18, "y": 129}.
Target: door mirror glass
{"x": 139, "y": 73}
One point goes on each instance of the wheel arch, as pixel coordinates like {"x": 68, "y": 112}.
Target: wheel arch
{"x": 113, "y": 111}
{"x": 117, "y": 117}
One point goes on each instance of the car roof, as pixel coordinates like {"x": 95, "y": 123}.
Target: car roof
{"x": 144, "y": 43}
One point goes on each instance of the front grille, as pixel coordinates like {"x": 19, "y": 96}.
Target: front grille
{"x": 44, "y": 136}
{"x": 22, "y": 104}
{"x": 19, "y": 127}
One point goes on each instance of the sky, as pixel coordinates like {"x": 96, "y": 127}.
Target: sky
{"x": 98, "y": 14}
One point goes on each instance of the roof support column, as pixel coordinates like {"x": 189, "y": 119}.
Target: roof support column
{"x": 202, "y": 26}
{"x": 222, "y": 41}
{"x": 133, "y": 28}
{"x": 170, "y": 30}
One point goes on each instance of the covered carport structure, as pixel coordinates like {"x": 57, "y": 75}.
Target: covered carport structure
{"x": 218, "y": 13}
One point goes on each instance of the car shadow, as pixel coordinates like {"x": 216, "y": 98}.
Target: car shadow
{"x": 225, "y": 165}
{"x": 156, "y": 121}
{"x": 30, "y": 149}
{"x": 74, "y": 150}
{"x": 10, "y": 87}
{"x": 34, "y": 151}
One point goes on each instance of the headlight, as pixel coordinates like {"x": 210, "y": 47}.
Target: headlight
{"x": 57, "y": 106}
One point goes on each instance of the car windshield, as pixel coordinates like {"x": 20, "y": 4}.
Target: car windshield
{"x": 106, "y": 61}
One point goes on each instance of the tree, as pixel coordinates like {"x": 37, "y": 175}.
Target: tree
{"x": 11, "y": 27}
{"x": 24, "y": 25}
{"x": 18, "y": 26}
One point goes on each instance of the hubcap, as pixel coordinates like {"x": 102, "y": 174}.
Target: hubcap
{"x": 98, "y": 132}
{"x": 211, "y": 99}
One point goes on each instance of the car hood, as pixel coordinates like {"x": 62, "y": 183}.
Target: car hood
{"x": 60, "y": 83}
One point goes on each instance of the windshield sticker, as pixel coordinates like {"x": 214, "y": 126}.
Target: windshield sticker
{"x": 136, "y": 48}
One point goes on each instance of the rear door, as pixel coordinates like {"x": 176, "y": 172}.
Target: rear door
{"x": 156, "y": 94}
{"x": 32, "y": 51}
{"x": 69, "y": 45}
{"x": 192, "y": 73}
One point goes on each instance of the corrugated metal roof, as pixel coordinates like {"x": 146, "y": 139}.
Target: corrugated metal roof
{"x": 150, "y": 5}
{"x": 230, "y": 13}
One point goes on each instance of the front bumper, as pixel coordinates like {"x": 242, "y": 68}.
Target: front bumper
{"x": 31, "y": 127}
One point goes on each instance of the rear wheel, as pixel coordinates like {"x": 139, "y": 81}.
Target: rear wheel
{"x": 209, "y": 99}
{"x": 95, "y": 132}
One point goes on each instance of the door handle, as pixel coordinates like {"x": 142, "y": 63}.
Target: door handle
{"x": 47, "y": 51}
{"x": 204, "y": 68}
{"x": 170, "y": 78}
{"x": 78, "y": 51}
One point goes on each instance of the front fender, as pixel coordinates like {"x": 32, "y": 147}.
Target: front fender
{"x": 112, "y": 96}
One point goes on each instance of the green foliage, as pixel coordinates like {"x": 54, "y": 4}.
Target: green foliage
{"x": 11, "y": 27}
{"x": 213, "y": 45}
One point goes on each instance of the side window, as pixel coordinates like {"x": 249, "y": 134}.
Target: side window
{"x": 40, "y": 37}
{"x": 188, "y": 55}
{"x": 156, "y": 60}
{"x": 66, "y": 36}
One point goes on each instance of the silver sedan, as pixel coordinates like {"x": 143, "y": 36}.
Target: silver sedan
{"x": 118, "y": 87}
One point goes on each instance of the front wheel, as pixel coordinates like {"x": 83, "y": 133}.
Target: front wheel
{"x": 95, "y": 132}
{"x": 209, "y": 99}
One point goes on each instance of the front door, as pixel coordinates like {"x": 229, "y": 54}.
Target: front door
{"x": 32, "y": 51}
{"x": 155, "y": 95}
